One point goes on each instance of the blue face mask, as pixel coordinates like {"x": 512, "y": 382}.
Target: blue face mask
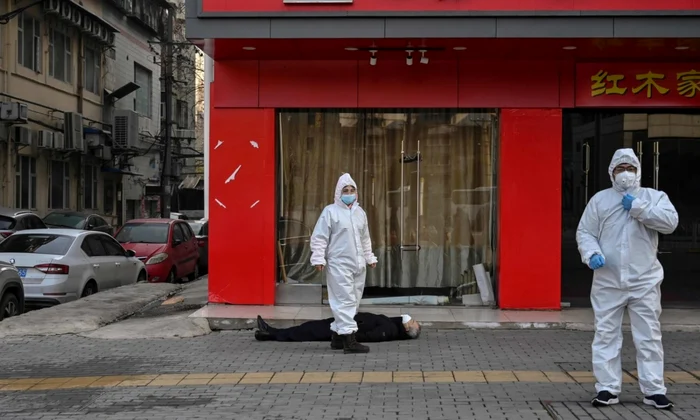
{"x": 348, "y": 199}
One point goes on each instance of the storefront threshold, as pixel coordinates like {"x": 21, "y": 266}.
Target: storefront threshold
{"x": 240, "y": 317}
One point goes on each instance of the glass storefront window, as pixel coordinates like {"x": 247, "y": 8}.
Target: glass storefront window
{"x": 668, "y": 146}
{"x": 426, "y": 179}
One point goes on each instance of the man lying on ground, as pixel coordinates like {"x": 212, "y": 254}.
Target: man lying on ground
{"x": 372, "y": 328}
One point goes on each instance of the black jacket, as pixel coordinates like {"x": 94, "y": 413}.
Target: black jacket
{"x": 374, "y": 328}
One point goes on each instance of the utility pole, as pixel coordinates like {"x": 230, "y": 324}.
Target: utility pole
{"x": 167, "y": 60}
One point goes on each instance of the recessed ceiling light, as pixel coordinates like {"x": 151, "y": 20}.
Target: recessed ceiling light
{"x": 350, "y": 49}
{"x": 249, "y": 48}
{"x": 682, "y": 47}
{"x": 569, "y": 47}
{"x": 459, "y": 48}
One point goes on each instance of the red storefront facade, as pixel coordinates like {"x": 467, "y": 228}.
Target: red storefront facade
{"x": 529, "y": 64}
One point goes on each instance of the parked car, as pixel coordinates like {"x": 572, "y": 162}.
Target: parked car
{"x": 201, "y": 232}
{"x": 61, "y": 265}
{"x": 168, "y": 247}
{"x": 77, "y": 220}
{"x": 13, "y": 220}
{"x": 11, "y": 291}
{"x": 179, "y": 216}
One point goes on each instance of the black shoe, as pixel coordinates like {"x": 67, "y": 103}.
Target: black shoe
{"x": 262, "y": 325}
{"x": 336, "y": 341}
{"x": 264, "y": 336}
{"x": 350, "y": 345}
{"x": 604, "y": 399}
{"x": 658, "y": 401}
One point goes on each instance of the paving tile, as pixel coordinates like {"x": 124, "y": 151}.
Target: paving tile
{"x": 500, "y": 376}
{"x": 473, "y": 376}
{"x": 316, "y": 377}
{"x": 377, "y": 377}
{"x": 559, "y": 377}
{"x": 346, "y": 377}
{"x": 530, "y": 376}
{"x": 287, "y": 378}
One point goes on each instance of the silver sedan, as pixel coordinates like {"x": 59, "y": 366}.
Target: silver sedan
{"x": 61, "y": 265}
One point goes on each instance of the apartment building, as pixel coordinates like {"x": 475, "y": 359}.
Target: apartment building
{"x": 74, "y": 68}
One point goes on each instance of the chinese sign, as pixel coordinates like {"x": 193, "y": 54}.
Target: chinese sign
{"x": 637, "y": 85}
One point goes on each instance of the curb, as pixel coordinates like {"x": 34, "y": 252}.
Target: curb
{"x": 240, "y": 324}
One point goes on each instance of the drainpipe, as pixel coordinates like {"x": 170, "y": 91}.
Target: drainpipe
{"x": 80, "y": 205}
{"x": 208, "y": 78}
{"x": 5, "y": 86}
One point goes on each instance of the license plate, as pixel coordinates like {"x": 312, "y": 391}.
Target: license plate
{"x": 22, "y": 272}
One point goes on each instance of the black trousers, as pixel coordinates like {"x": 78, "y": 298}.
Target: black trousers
{"x": 308, "y": 331}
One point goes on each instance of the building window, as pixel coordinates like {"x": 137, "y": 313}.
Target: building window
{"x": 183, "y": 115}
{"x": 93, "y": 69}
{"x": 60, "y": 56}
{"x": 59, "y": 180}
{"x": 25, "y": 183}
{"x": 90, "y": 186}
{"x": 143, "y": 100}
{"x": 29, "y": 42}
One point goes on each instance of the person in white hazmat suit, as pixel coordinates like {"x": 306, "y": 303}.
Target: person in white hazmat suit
{"x": 618, "y": 239}
{"x": 341, "y": 244}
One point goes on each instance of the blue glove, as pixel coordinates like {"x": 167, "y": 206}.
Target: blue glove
{"x": 596, "y": 262}
{"x": 627, "y": 201}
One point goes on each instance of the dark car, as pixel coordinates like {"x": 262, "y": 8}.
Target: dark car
{"x": 201, "y": 231}
{"x": 13, "y": 220}
{"x": 77, "y": 220}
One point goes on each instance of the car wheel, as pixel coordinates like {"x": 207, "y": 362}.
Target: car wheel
{"x": 9, "y": 306}
{"x": 142, "y": 277}
{"x": 172, "y": 277}
{"x": 90, "y": 289}
{"x": 195, "y": 274}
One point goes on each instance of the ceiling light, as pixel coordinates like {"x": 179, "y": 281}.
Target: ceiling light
{"x": 569, "y": 48}
{"x": 350, "y": 49}
{"x": 373, "y": 58}
{"x": 423, "y": 58}
{"x": 409, "y": 57}
{"x": 459, "y": 48}
{"x": 249, "y": 48}
{"x": 682, "y": 47}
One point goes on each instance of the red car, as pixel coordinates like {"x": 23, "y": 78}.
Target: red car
{"x": 168, "y": 247}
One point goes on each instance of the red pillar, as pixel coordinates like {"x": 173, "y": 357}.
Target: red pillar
{"x": 529, "y": 209}
{"x": 242, "y": 167}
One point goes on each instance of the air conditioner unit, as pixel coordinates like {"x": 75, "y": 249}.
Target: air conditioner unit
{"x": 86, "y": 26}
{"x": 59, "y": 141}
{"x": 77, "y": 17}
{"x": 125, "y": 129}
{"x": 111, "y": 38}
{"x": 104, "y": 153}
{"x": 23, "y": 136}
{"x": 44, "y": 139}
{"x": 66, "y": 10}
{"x": 104, "y": 36}
{"x": 15, "y": 112}
{"x": 52, "y": 6}
{"x": 185, "y": 134}
{"x": 96, "y": 29}
{"x": 73, "y": 131}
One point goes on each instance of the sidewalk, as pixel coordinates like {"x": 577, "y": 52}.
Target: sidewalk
{"x": 230, "y": 317}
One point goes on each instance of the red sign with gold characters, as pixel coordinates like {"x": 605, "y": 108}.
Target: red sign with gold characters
{"x": 637, "y": 85}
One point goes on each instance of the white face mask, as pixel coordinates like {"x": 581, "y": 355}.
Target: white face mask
{"x": 625, "y": 180}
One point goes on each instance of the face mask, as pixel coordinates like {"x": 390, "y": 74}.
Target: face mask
{"x": 348, "y": 199}
{"x": 625, "y": 180}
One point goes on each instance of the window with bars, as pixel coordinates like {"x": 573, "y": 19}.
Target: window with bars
{"x": 29, "y": 42}
{"x": 60, "y": 56}
{"x": 93, "y": 69}
{"x": 25, "y": 183}
{"x": 59, "y": 181}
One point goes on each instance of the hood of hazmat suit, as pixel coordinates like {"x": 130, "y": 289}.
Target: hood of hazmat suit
{"x": 341, "y": 244}
{"x": 630, "y": 277}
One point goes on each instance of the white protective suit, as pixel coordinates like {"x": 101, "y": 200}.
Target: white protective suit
{"x": 631, "y": 276}
{"x": 342, "y": 244}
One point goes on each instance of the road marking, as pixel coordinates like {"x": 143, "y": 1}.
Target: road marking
{"x": 298, "y": 377}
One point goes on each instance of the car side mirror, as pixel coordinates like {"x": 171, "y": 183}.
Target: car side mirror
{"x": 130, "y": 253}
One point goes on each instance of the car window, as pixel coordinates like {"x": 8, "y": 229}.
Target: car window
{"x": 113, "y": 248}
{"x": 21, "y": 223}
{"x": 98, "y": 221}
{"x": 186, "y": 230}
{"x": 69, "y": 220}
{"x": 145, "y": 233}
{"x": 7, "y": 222}
{"x": 205, "y": 229}
{"x": 35, "y": 222}
{"x": 178, "y": 235}
{"x": 196, "y": 227}
{"x": 93, "y": 247}
{"x": 37, "y": 244}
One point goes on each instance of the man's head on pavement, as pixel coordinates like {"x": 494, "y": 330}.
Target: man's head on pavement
{"x": 411, "y": 325}
{"x": 625, "y": 171}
